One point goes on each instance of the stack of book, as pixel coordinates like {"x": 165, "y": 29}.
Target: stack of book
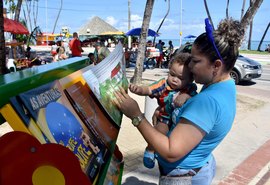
{"x": 77, "y": 112}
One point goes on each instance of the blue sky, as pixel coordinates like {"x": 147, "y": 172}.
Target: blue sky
{"x": 76, "y": 13}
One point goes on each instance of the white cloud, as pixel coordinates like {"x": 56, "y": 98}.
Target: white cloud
{"x": 111, "y": 20}
{"x": 136, "y": 21}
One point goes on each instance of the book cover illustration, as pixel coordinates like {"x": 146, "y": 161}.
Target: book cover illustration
{"x": 18, "y": 106}
{"x": 92, "y": 113}
{"x": 115, "y": 170}
{"x": 41, "y": 164}
{"x": 105, "y": 78}
{"x": 53, "y": 113}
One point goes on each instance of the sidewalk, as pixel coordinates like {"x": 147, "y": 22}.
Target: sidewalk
{"x": 242, "y": 158}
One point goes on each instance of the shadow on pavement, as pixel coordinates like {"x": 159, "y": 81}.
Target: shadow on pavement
{"x": 135, "y": 181}
{"x": 247, "y": 83}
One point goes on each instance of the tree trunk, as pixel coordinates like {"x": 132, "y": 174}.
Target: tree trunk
{"x": 137, "y": 78}
{"x": 243, "y": 8}
{"x": 18, "y": 10}
{"x": 227, "y": 9}
{"x": 250, "y": 29}
{"x": 34, "y": 13}
{"x": 3, "y": 69}
{"x": 168, "y": 10}
{"x": 28, "y": 8}
{"x": 250, "y": 35}
{"x": 250, "y": 13}
{"x": 208, "y": 14}
{"x": 259, "y": 47}
{"x": 57, "y": 16}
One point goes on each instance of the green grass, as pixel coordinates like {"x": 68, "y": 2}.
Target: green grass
{"x": 254, "y": 52}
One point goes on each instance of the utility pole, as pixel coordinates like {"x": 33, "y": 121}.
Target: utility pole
{"x": 180, "y": 23}
{"x": 129, "y": 37}
{"x": 46, "y": 5}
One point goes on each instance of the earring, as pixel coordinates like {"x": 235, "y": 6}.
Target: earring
{"x": 214, "y": 73}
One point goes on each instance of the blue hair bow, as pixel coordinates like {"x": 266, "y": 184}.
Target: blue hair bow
{"x": 209, "y": 34}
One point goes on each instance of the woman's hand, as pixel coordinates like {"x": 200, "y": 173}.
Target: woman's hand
{"x": 126, "y": 104}
{"x": 155, "y": 116}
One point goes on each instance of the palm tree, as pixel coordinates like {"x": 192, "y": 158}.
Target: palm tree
{"x": 137, "y": 78}
{"x": 250, "y": 34}
{"x": 168, "y": 10}
{"x": 35, "y": 12}
{"x": 58, "y": 15}
{"x": 3, "y": 68}
{"x": 28, "y": 8}
{"x": 18, "y": 10}
{"x": 243, "y": 8}
{"x": 250, "y": 13}
{"x": 250, "y": 28}
{"x": 227, "y": 9}
{"x": 259, "y": 47}
{"x": 208, "y": 14}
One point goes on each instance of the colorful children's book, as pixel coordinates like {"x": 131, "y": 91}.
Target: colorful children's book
{"x": 115, "y": 170}
{"x": 18, "y": 106}
{"x": 105, "y": 78}
{"x": 92, "y": 113}
{"x": 59, "y": 122}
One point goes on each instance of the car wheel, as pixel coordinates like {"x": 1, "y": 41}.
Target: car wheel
{"x": 235, "y": 76}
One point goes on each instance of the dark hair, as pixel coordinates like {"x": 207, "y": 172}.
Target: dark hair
{"x": 90, "y": 54}
{"x": 227, "y": 37}
{"x": 181, "y": 59}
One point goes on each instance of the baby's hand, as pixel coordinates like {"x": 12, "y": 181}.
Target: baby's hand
{"x": 133, "y": 88}
{"x": 180, "y": 99}
{"x": 136, "y": 89}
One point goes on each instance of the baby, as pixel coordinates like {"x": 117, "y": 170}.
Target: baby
{"x": 170, "y": 93}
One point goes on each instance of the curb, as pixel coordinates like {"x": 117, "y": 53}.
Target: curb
{"x": 249, "y": 168}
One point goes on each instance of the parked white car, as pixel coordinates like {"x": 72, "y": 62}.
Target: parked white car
{"x": 245, "y": 69}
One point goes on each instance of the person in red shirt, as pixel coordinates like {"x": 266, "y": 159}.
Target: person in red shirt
{"x": 75, "y": 46}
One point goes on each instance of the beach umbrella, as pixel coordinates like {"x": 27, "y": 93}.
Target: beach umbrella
{"x": 190, "y": 36}
{"x": 137, "y": 32}
{"x": 14, "y": 27}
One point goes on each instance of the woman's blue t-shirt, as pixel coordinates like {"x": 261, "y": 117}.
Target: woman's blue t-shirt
{"x": 213, "y": 110}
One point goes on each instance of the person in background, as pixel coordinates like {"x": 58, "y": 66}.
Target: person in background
{"x": 75, "y": 46}
{"x": 170, "y": 49}
{"x": 91, "y": 57}
{"x": 179, "y": 82}
{"x": 54, "y": 48}
{"x": 185, "y": 154}
{"x": 66, "y": 46}
{"x": 268, "y": 48}
{"x": 33, "y": 58}
{"x": 100, "y": 52}
{"x": 61, "y": 51}
{"x": 159, "y": 59}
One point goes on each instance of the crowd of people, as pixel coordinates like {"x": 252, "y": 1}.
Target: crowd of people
{"x": 60, "y": 50}
{"x": 159, "y": 60}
